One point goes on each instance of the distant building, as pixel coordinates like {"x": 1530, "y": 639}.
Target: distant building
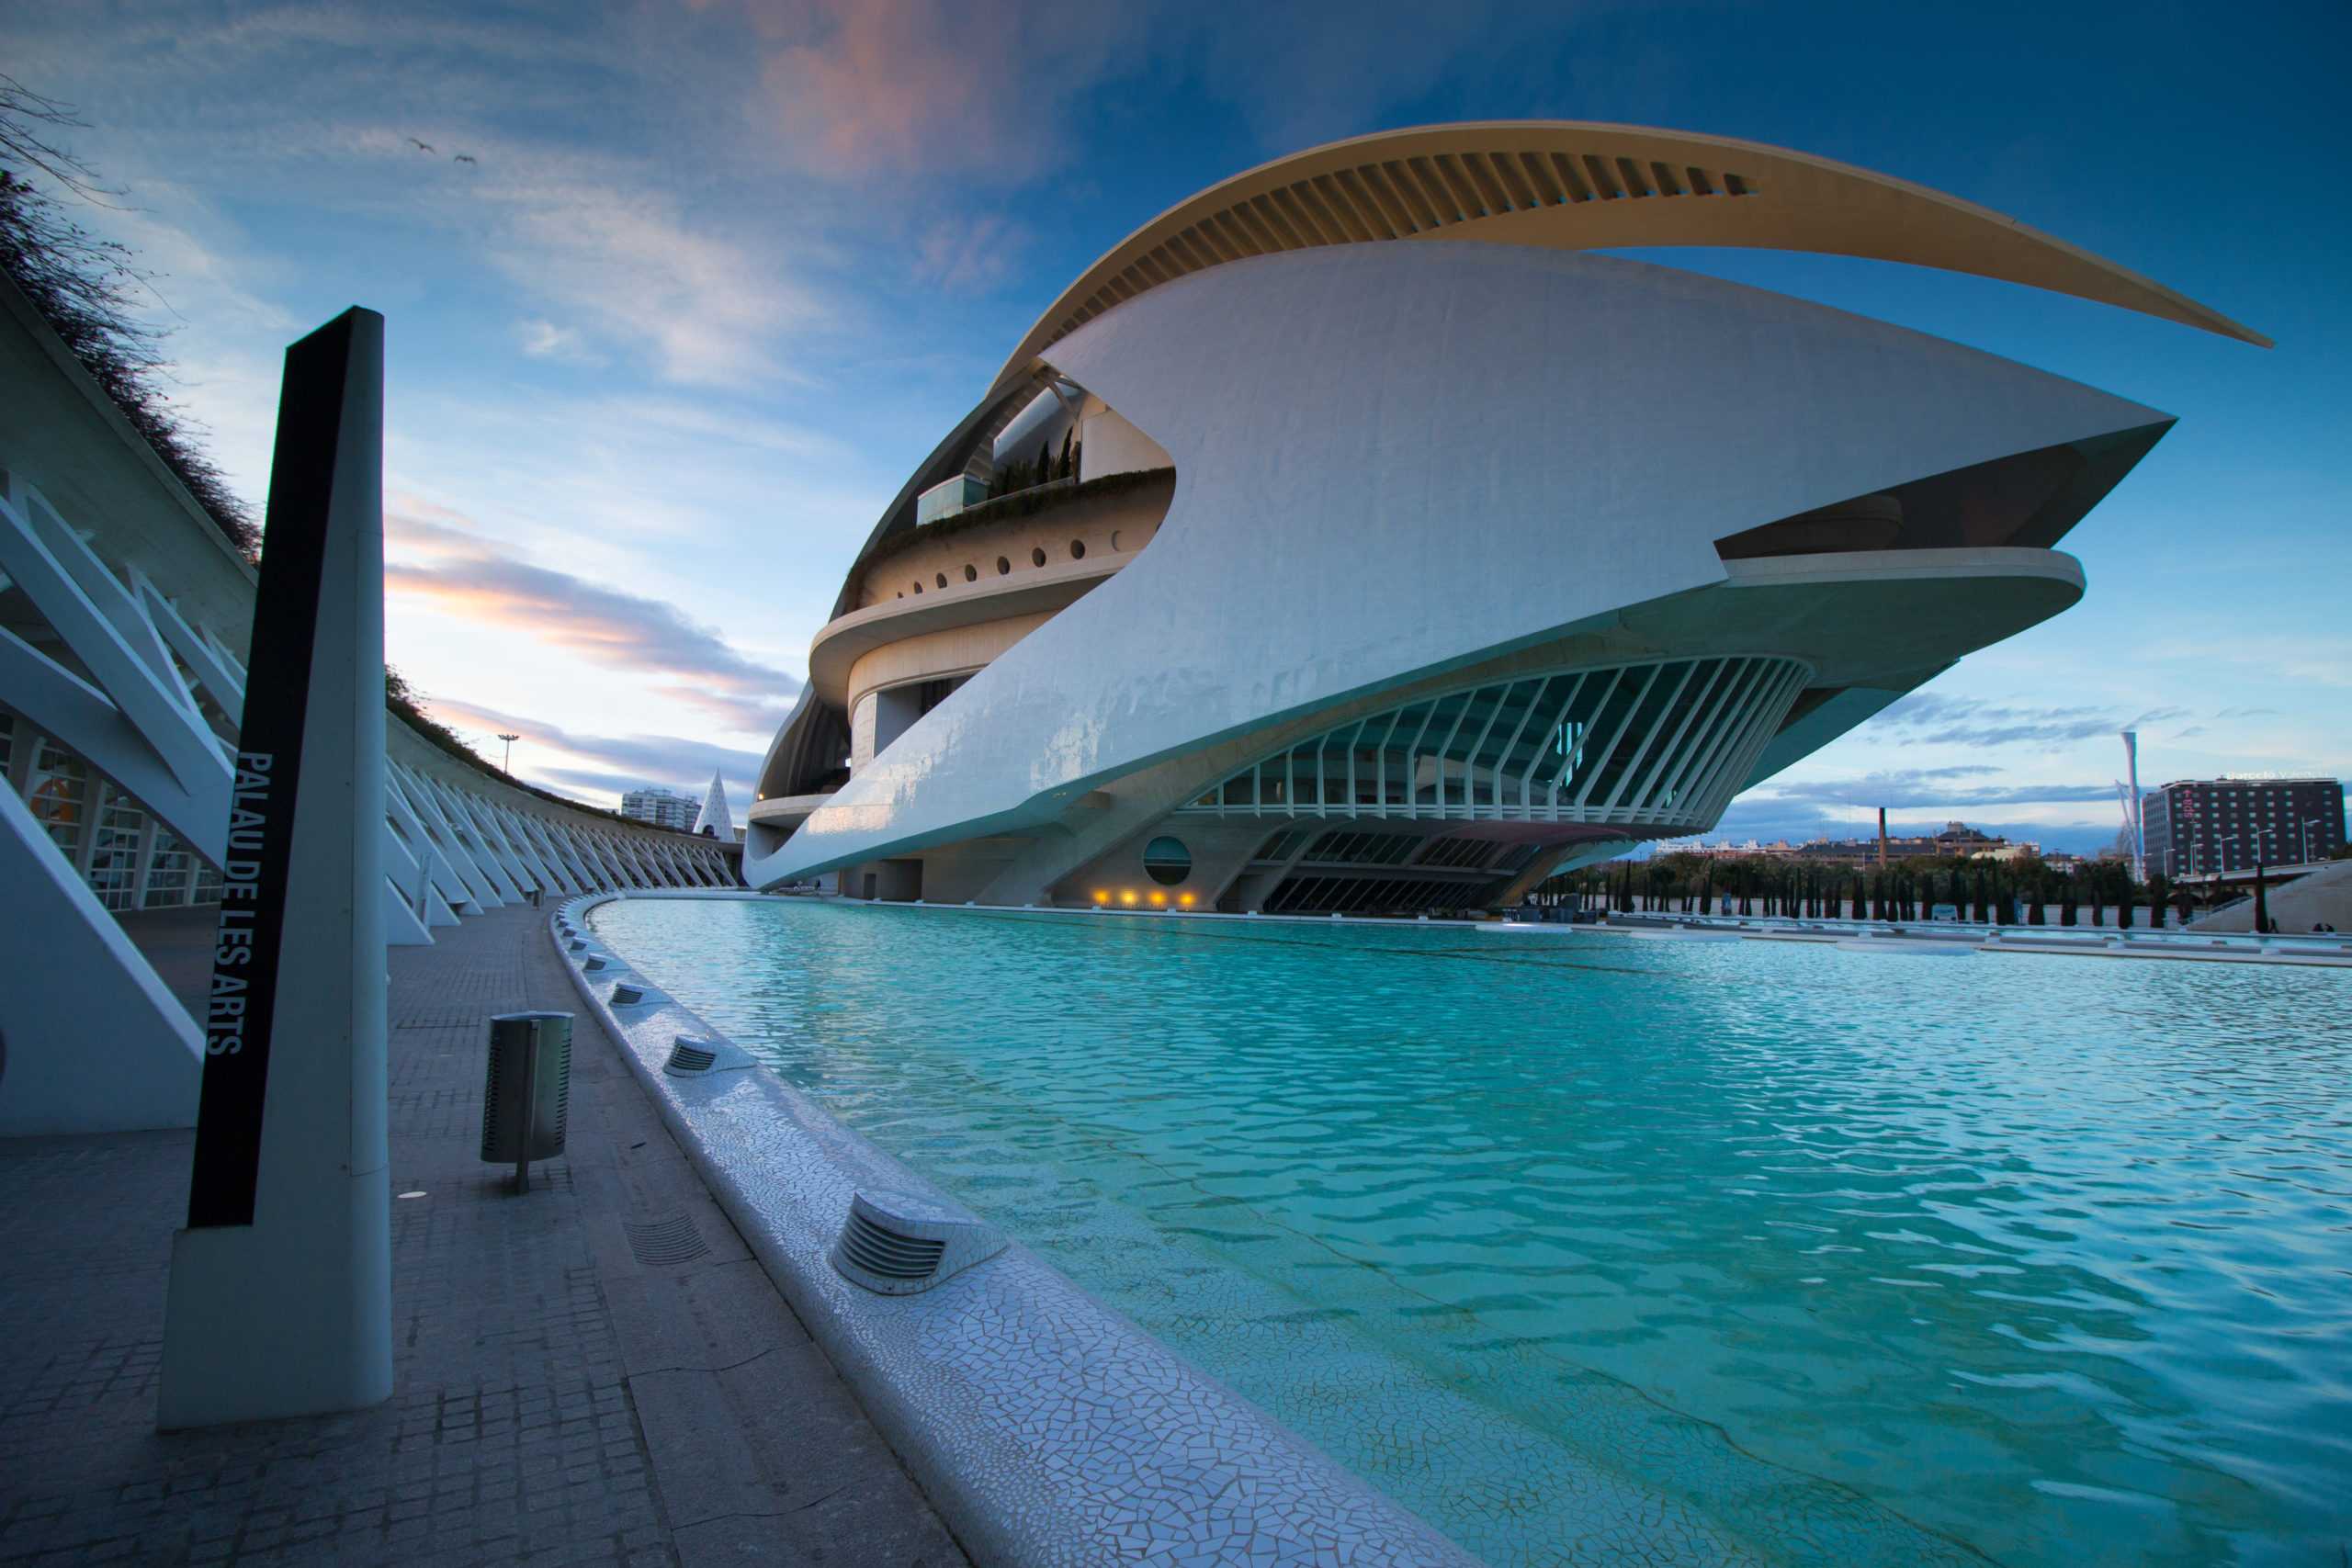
{"x": 1958, "y": 841}
{"x": 2198, "y": 827}
{"x": 660, "y": 807}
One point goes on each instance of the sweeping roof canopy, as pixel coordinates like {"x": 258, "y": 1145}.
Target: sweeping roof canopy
{"x": 1573, "y": 184}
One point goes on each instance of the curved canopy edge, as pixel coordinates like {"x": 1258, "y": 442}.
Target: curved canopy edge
{"x": 1574, "y": 185}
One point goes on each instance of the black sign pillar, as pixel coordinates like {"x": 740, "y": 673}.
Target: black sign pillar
{"x": 281, "y": 1290}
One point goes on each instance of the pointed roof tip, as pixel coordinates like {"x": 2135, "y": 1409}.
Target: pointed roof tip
{"x": 715, "y": 817}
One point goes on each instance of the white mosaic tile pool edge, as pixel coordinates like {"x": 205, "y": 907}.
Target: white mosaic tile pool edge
{"x": 1045, "y": 1427}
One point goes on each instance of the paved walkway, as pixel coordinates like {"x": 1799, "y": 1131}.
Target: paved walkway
{"x": 596, "y": 1372}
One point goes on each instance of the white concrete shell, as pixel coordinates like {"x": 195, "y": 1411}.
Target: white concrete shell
{"x": 1400, "y": 463}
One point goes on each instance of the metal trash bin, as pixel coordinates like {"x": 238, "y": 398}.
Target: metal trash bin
{"x": 527, "y": 1091}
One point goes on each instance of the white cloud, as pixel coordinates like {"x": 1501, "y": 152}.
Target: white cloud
{"x": 545, "y": 340}
{"x": 444, "y": 560}
{"x": 969, "y": 256}
{"x": 603, "y": 239}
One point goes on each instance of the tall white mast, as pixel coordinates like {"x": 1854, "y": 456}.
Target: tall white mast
{"x": 2132, "y": 813}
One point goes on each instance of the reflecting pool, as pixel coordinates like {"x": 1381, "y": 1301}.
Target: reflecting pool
{"x": 1591, "y": 1249}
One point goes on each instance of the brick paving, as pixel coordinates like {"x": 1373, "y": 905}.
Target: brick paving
{"x": 597, "y": 1372}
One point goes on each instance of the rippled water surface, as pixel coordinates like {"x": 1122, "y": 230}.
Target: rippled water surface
{"x": 1740, "y": 1252}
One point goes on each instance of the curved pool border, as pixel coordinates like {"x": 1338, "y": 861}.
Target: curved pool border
{"x": 1043, "y": 1427}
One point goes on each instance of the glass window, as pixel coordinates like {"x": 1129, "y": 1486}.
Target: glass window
{"x": 1167, "y": 860}
{"x": 114, "y": 854}
{"x": 169, "y": 870}
{"x": 55, "y": 794}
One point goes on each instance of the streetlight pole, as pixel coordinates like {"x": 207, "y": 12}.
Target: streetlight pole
{"x": 504, "y": 765}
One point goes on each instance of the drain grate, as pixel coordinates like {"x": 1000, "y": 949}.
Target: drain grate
{"x": 888, "y": 1253}
{"x": 895, "y": 1244}
{"x": 660, "y": 1244}
{"x": 685, "y": 1058}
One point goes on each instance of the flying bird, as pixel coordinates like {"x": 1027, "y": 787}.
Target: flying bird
{"x": 463, "y": 158}
{"x": 420, "y": 146}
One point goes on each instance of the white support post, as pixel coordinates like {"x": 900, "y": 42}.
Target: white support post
{"x": 451, "y": 886}
{"x": 84, "y": 720}
{"x": 94, "y": 1042}
{"x": 155, "y": 703}
{"x": 566, "y": 878}
{"x": 527, "y": 851}
{"x": 215, "y": 670}
{"x": 280, "y": 1296}
{"x": 478, "y": 890}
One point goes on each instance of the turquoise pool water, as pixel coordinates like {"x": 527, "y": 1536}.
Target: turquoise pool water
{"x": 1741, "y": 1252}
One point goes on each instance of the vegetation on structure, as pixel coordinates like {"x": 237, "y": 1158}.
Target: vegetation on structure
{"x": 2026, "y": 891}
{"x": 1020, "y": 503}
{"x": 402, "y": 700}
{"x": 84, "y": 289}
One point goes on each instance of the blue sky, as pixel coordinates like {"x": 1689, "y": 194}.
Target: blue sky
{"x": 721, "y": 271}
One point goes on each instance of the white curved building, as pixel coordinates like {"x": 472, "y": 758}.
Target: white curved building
{"x": 1287, "y": 568}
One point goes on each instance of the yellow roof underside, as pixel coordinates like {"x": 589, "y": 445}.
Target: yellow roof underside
{"x": 1573, "y": 185}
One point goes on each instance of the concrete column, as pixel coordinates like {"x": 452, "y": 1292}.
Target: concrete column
{"x": 281, "y": 1290}
{"x": 90, "y": 1040}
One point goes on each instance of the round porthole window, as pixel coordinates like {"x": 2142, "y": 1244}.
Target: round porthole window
{"x": 1002, "y": 566}
{"x": 918, "y": 587}
{"x": 971, "y": 572}
{"x": 1038, "y": 555}
{"x": 940, "y": 578}
{"x": 1167, "y": 860}
{"x": 1077, "y": 549}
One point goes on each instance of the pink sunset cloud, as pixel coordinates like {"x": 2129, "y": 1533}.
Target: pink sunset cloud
{"x": 450, "y": 566}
